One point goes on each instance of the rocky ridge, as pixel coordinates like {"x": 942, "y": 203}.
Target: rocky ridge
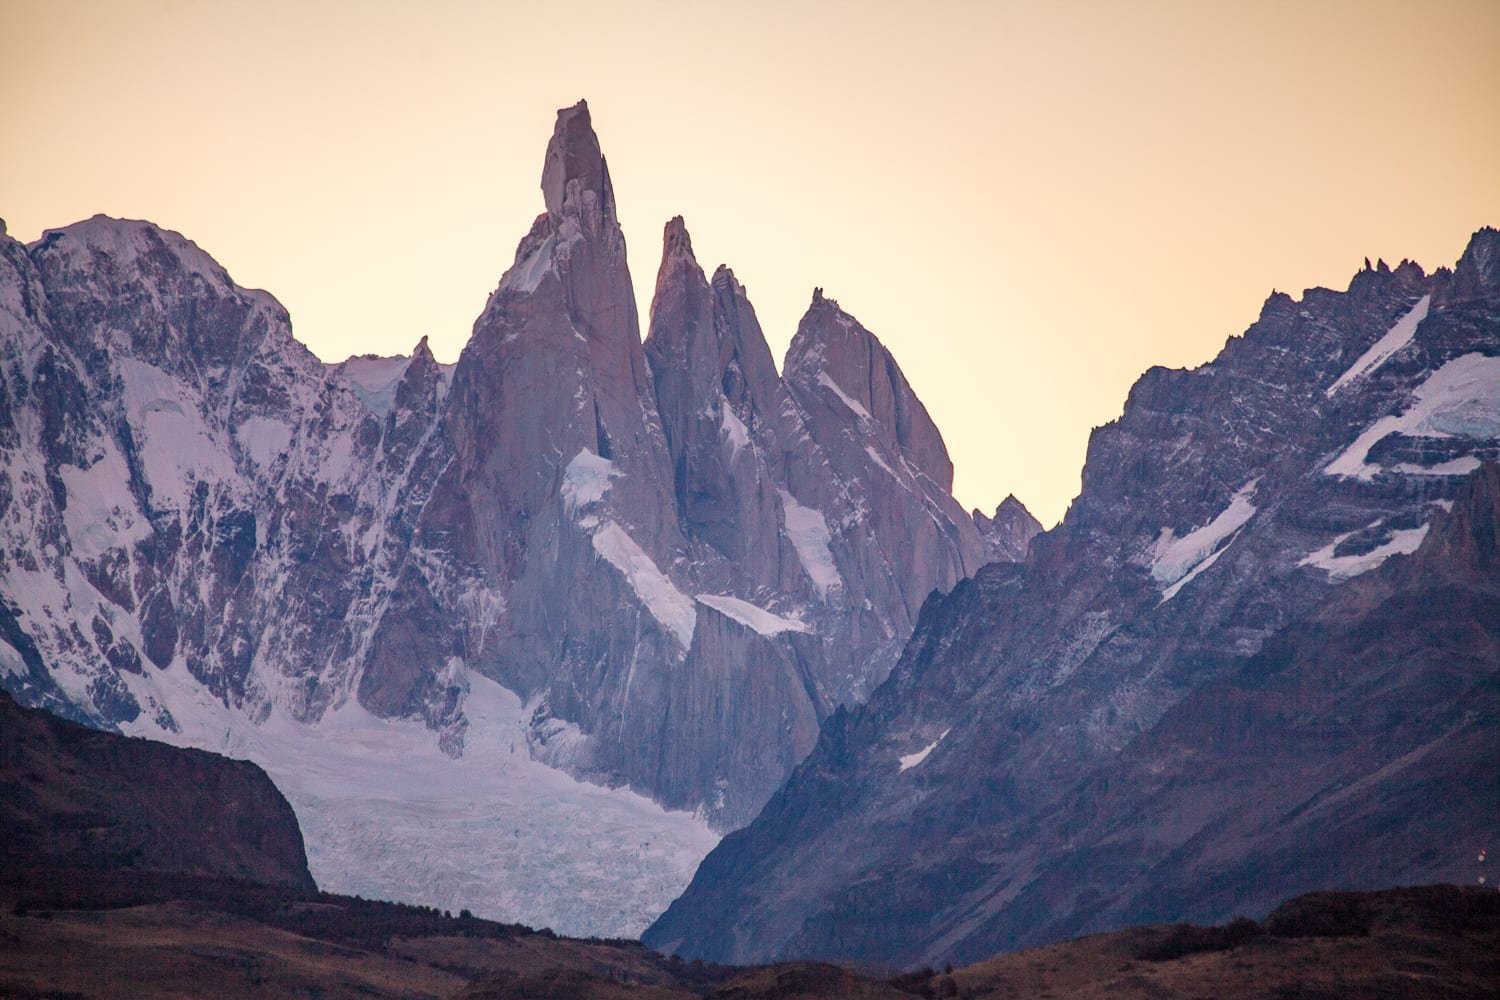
{"x": 1225, "y": 644}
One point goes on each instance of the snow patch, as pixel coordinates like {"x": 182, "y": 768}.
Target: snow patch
{"x": 1460, "y": 399}
{"x": 751, "y": 616}
{"x": 586, "y": 480}
{"x": 1401, "y": 542}
{"x": 10, "y": 660}
{"x": 1174, "y": 558}
{"x": 733, "y": 428}
{"x": 375, "y": 380}
{"x": 528, "y": 274}
{"x": 101, "y": 513}
{"x": 668, "y": 605}
{"x": 911, "y": 760}
{"x": 808, "y": 532}
{"x": 875, "y": 457}
{"x": 845, "y": 398}
{"x": 1192, "y": 574}
{"x": 1453, "y": 467}
{"x": 264, "y": 439}
{"x": 176, "y": 448}
{"x": 1396, "y": 338}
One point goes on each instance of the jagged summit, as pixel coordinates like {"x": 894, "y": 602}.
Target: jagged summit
{"x": 1478, "y": 270}
{"x": 679, "y": 277}
{"x": 676, "y": 241}
{"x": 575, "y": 178}
{"x": 833, "y": 355}
{"x": 724, "y": 278}
{"x": 1009, "y": 532}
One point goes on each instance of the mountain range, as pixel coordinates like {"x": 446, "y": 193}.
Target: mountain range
{"x": 1260, "y": 655}
{"x": 657, "y": 566}
{"x": 530, "y": 632}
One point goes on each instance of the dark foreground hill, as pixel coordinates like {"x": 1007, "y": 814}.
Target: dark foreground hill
{"x": 75, "y": 798}
{"x": 148, "y": 934}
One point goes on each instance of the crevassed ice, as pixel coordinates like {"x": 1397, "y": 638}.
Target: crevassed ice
{"x": 1460, "y": 399}
{"x": 374, "y": 380}
{"x": 386, "y": 815}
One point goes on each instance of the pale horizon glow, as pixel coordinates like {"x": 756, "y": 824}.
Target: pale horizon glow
{"x": 1030, "y": 204}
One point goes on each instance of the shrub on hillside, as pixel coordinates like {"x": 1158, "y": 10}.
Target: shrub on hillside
{"x": 1187, "y": 939}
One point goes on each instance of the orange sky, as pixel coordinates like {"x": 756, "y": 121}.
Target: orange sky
{"x": 1030, "y": 203}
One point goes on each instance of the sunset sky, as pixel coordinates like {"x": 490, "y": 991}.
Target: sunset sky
{"x": 1030, "y": 203}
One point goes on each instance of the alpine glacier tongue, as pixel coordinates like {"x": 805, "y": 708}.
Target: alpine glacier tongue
{"x": 655, "y": 567}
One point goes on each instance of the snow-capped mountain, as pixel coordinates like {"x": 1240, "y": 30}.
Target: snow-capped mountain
{"x": 1259, "y": 656}
{"x": 655, "y": 566}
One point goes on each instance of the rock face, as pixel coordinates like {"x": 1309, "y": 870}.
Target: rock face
{"x": 1008, "y": 534}
{"x": 75, "y": 798}
{"x": 1259, "y": 656}
{"x": 680, "y": 560}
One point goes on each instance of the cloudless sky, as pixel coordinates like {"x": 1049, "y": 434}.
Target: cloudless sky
{"x": 1029, "y": 202}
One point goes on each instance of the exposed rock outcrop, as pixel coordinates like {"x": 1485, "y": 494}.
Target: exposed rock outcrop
{"x": 1008, "y": 534}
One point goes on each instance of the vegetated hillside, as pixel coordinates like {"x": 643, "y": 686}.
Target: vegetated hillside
{"x": 131, "y": 934}
{"x": 93, "y": 802}
{"x": 1259, "y": 657}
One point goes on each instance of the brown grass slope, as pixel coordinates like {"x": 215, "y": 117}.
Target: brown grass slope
{"x": 132, "y": 934}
